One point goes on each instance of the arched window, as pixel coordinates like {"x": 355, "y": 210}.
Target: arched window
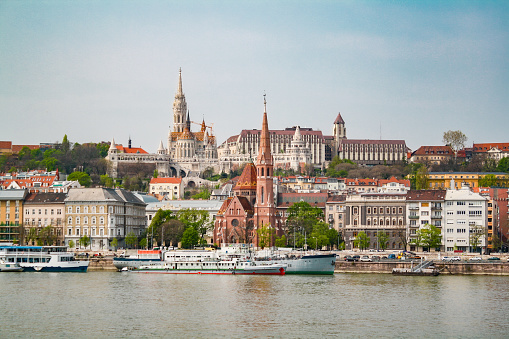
{"x": 262, "y": 192}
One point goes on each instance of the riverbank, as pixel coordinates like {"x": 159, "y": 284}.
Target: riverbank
{"x": 449, "y": 268}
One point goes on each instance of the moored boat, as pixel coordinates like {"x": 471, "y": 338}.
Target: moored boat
{"x": 142, "y": 258}
{"x": 230, "y": 267}
{"x": 10, "y": 267}
{"x": 42, "y": 258}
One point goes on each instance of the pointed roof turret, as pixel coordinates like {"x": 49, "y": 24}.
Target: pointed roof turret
{"x": 203, "y": 126}
{"x": 179, "y": 89}
{"x": 188, "y": 121}
{"x": 161, "y": 147}
{"x": 112, "y": 145}
{"x": 264, "y": 153}
{"x": 339, "y": 119}
{"x": 297, "y": 136}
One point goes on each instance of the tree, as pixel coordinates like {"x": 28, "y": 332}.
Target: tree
{"x": 71, "y": 244}
{"x": 382, "y": 239}
{"x": 131, "y": 240}
{"x": 190, "y": 238}
{"x": 477, "y": 233}
{"x": 455, "y": 139}
{"x": 82, "y": 177}
{"x": 156, "y": 173}
{"x": 32, "y": 235}
{"x": 489, "y": 180}
{"x": 428, "y": 236}
{"x": 198, "y": 219}
{"x": 503, "y": 165}
{"x": 114, "y": 243}
{"x": 281, "y": 241}
{"x": 321, "y": 233}
{"x": 421, "y": 178}
{"x": 204, "y": 194}
{"x": 84, "y": 241}
{"x": 265, "y": 233}
{"x": 47, "y": 235}
{"x": 143, "y": 243}
{"x": 106, "y": 180}
{"x": 361, "y": 240}
{"x": 302, "y": 217}
{"x": 66, "y": 145}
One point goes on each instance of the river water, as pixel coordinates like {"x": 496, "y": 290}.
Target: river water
{"x": 113, "y": 304}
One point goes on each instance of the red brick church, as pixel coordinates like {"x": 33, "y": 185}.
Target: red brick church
{"x": 253, "y": 205}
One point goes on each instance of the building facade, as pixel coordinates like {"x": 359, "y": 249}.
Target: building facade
{"x": 11, "y": 215}
{"x": 103, "y": 214}
{"x": 170, "y": 187}
{"x": 373, "y": 213}
{"x": 42, "y": 210}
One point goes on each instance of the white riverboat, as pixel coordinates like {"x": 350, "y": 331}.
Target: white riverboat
{"x": 142, "y": 258}
{"x": 42, "y": 258}
{"x": 10, "y": 267}
{"x": 230, "y": 267}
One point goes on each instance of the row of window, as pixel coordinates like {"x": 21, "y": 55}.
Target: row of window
{"x": 85, "y": 220}
{"x": 52, "y": 211}
{"x": 379, "y": 210}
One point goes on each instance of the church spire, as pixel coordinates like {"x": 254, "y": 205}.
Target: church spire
{"x": 179, "y": 90}
{"x": 264, "y": 153}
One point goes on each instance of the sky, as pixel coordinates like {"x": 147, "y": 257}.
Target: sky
{"x": 97, "y": 70}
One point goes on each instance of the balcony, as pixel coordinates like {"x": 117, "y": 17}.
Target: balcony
{"x": 436, "y": 216}
{"x": 413, "y": 217}
{"x": 436, "y": 208}
{"x": 414, "y": 208}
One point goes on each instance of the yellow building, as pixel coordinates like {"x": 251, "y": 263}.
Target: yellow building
{"x": 442, "y": 180}
{"x": 11, "y": 215}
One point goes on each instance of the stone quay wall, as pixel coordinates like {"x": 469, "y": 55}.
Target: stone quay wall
{"x": 450, "y": 268}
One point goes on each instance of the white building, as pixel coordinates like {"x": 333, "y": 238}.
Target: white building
{"x": 465, "y": 214}
{"x": 170, "y": 187}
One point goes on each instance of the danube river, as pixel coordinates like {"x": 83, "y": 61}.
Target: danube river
{"x": 112, "y": 304}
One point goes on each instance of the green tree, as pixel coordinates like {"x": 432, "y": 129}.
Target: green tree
{"x": 131, "y": 240}
{"x": 204, "y": 194}
{"x": 382, "y": 239}
{"x": 190, "y": 238}
{"x": 320, "y": 234}
{"x": 143, "y": 243}
{"x": 361, "y": 241}
{"x": 265, "y": 233}
{"x": 429, "y": 236}
{"x": 66, "y": 145}
{"x": 47, "y": 235}
{"x": 477, "y": 233}
{"x": 503, "y": 165}
{"x": 281, "y": 241}
{"x": 156, "y": 173}
{"x": 198, "y": 219}
{"x": 421, "y": 178}
{"x": 302, "y": 217}
{"x": 488, "y": 180}
{"x": 82, "y": 177}
{"x": 114, "y": 243}
{"x": 71, "y": 244}
{"x": 84, "y": 241}
{"x": 32, "y": 235}
{"x": 106, "y": 180}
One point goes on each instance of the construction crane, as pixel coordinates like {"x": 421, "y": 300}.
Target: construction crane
{"x": 201, "y": 123}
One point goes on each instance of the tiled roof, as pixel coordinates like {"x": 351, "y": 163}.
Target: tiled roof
{"x": 170, "y": 180}
{"x": 425, "y": 195}
{"x": 37, "y": 198}
{"x": 339, "y": 119}
{"x": 435, "y": 150}
{"x": 484, "y": 147}
{"x": 247, "y": 180}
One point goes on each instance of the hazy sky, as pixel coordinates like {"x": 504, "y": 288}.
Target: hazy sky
{"x": 404, "y": 69}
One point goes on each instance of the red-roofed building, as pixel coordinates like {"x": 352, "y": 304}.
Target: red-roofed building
{"x": 432, "y": 155}
{"x": 6, "y": 147}
{"x": 170, "y": 187}
{"x": 361, "y": 185}
{"x": 495, "y": 150}
{"x": 393, "y": 185}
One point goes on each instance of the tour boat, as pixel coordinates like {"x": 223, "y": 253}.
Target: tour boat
{"x": 142, "y": 258}
{"x": 232, "y": 267}
{"x": 42, "y": 258}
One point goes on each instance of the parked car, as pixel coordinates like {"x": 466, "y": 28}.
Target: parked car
{"x": 376, "y": 257}
{"x": 475, "y": 259}
{"x": 493, "y": 258}
{"x": 349, "y": 258}
{"x": 356, "y": 257}
{"x": 391, "y": 256}
{"x": 414, "y": 257}
{"x": 451, "y": 259}
{"x": 366, "y": 258}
